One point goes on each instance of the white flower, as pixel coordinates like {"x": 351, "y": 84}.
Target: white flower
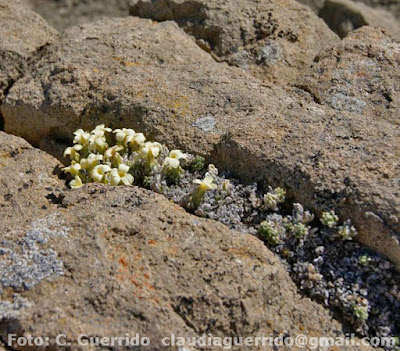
{"x": 112, "y": 154}
{"x": 149, "y": 152}
{"x": 99, "y": 172}
{"x": 76, "y": 183}
{"x": 122, "y": 134}
{"x": 97, "y": 143}
{"x": 207, "y": 183}
{"x": 120, "y": 175}
{"x": 170, "y": 162}
{"x": 73, "y": 152}
{"x": 73, "y": 169}
{"x": 91, "y": 161}
{"x": 150, "y": 149}
{"x": 136, "y": 140}
{"x": 177, "y": 154}
{"x": 100, "y": 130}
{"x": 81, "y": 137}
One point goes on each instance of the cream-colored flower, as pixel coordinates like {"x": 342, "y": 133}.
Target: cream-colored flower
{"x": 98, "y": 143}
{"x": 73, "y": 152}
{"x": 206, "y": 184}
{"x": 73, "y": 169}
{"x": 112, "y": 154}
{"x": 150, "y": 148}
{"x": 76, "y": 183}
{"x": 170, "y": 162}
{"x": 177, "y": 154}
{"x": 197, "y": 196}
{"x": 99, "y": 173}
{"x": 136, "y": 141}
{"x": 81, "y": 137}
{"x": 91, "y": 161}
{"x": 149, "y": 152}
{"x": 122, "y": 134}
{"x": 120, "y": 175}
{"x": 100, "y": 130}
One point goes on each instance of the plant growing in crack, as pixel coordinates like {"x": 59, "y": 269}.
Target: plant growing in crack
{"x": 322, "y": 258}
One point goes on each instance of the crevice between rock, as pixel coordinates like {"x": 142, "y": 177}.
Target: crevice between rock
{"x": 1, "y": 122}
{"x": 305, "y": 88}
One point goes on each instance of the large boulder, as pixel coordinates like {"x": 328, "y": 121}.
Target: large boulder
{"x": 344, "y": 16}
{"x": 23, "y": 35}
{"x": 109, "y": 261}
{"x": 66, "y": 13}
{"x": 152, "y": 77}
{"x": 274, "y": 39}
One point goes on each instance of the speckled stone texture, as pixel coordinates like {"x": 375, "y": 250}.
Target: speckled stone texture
{"x": 272, "y": 39}
{"x": 23, "y": 33}
{"x": 344, "y": 16}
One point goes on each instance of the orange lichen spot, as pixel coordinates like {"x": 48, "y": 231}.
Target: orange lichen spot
{"x": 135, "y": 282}
{"x": 151, "y": 242}
{"x": 123, "y": 261}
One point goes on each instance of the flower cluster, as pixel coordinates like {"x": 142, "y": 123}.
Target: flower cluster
{"x": 130, "y": 159}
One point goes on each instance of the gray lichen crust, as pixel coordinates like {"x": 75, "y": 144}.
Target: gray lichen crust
{"x": 26, "y": 262}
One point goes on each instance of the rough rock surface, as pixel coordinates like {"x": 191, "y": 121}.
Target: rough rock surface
{"x": 27, "y": 176}
{"x": 273, "y": 39}
{"x": 389, "y": 6}
{"x": 315, "y": 5}
{"x": 23, "y": 33}
{"x": 344, "y": 16}
{"x": 392, "y": 6}
{"x": 65, "y": 13}
{"x": 107, "y": 261}
{"x": 131, "y": 72}
{"x": 360, "y": 74}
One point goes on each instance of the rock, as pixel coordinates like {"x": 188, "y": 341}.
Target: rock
{"x": 361, "y": 74}
{"x": 344, "y": 16}
{"x": 392, "y": 6}
{"x": 109, "y": 261}
{"x": 336, "y": 154}
{"x": 23, "y": 35}
{"x": 28, "y": 178}
{"x": 66, "y": 13}
{"x": 315, "y": 5}
{"x": 389, "y": 6}
{"x": 274, "y": 39}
